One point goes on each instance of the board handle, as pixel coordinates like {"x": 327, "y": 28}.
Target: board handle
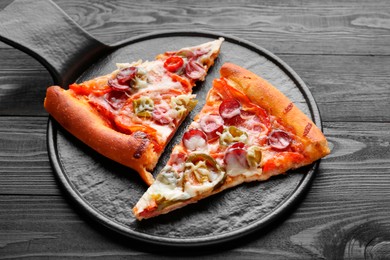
{"x": 41, "y": 29}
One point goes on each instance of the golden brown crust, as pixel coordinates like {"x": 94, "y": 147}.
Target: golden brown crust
{"x": 264, "y": 94}
{"x": 80, "y": 120}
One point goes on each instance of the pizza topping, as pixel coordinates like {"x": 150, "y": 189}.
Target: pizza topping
{"x": 113, "y": 83}
{"x": 279, "y": 139}
{"x": 202, "y": 173}
{"x": 212, "y": 125}
{"x": 161, "y": 114}
{"x": 143, "y": 107}
{"x": 178, "y": 160}
{"x": 232, "y": 134}
{"x": 116, "y": 99}
{"x": 229, "y": 108}
{"x": 253, "y": 156}
{"x": 195, "y": 140}
{"x": 123, "y": 79}
{"x": 185, "y": 53}
{"x": 184, "y": 82}
{"x": 169, "y": 176}
{"x": 239, "y": 159}
{"x": 168, "y": 186}
{"x": 173, "y": 63}
{"x": 125, "y": 75}
{"x": 236, "y": 159}
{"x": 86, "y": 89}
{"x": 129, "y": 78}
{"x": 194, "y": 70}
{"x": 182, "y": 104}
{"x": 141, "y": 79}
{"x": 230, "y": 111}
{"x": 103, "y": 109}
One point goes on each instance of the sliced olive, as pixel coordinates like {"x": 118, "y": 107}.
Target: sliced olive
{"x": 232, "y": 134}
{"x": 253, "y": 156}
{"x": 183, "y": 104}
{"x": 201, "y": 168}
{"x": 169, "y": 176}
{"x": 143, "y": 107}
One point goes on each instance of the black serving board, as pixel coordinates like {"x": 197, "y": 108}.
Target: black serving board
{"x": 107, "y": 191}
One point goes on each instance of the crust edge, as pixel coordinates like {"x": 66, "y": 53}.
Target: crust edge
{"x": 78, "y": 119}
{"x": 276, "y": 103}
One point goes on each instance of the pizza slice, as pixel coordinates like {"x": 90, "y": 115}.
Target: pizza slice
{"x": 247, "y": 131}
{"x": 131, "y": 114}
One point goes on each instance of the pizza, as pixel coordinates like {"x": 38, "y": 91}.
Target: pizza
{"x": 131, "y": 114}
{"x": 247, "y": 131}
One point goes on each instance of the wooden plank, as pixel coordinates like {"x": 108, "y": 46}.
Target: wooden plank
{"x": 22, "y": 92}
{"x": 319, "y": 227}
{"x": 346, "y": 88}
{"x": 24, "y": 162}
{"x": 308, "y": 27}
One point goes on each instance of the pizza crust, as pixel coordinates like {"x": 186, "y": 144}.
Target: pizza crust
{"x": 261, "y": 92}
{"x": 82, "y": 122}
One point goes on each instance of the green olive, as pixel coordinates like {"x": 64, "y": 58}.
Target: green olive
{"x": 183, "y": 104}
{"x": 168, "y": 176}
{"x": 143, "y": 107}
{"x": 232, "y": 134}
{"x": 253, "y": 156}
{"x": 199, "y": 167}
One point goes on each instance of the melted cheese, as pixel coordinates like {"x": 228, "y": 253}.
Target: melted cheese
{"x": 154, "y": 77}
{"x": 163, "y": 131}
{"x": 207, "y": 177}
{"x": 196, "y": 143}
{"x": 168, "y": 192}
{"x": 166, "y": 187}
{"x": 234, "y": 168}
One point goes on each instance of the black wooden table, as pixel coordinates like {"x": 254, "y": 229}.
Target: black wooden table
{"x": 341, "y": 50}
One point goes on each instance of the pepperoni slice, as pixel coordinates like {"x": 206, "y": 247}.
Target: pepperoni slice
{"x": 230, "y": 111}
{"x": 229, "y": 108}
{"x": 200, "y": 52}
{"x": 185, "y": 53}
{"x": 194, "y": 139}
{"x": 235, "y": 156}
{"x": 211, "y": 125}
{"x": 116, "y": 99}
{"x": 279, "y": 139}
{"x": 194, "y": 70}
{"x": 161, "y": 114}
{"x": 117, "y": 86}
{"x": 126, "y": 74}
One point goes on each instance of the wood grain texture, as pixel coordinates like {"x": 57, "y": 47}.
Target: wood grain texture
{"x": 341, "y": 85}
{"x": 326, "y": 27}
{"x": 341, "y": 51}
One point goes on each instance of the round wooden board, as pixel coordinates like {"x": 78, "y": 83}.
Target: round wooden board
{"x": 107, "y": 191}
